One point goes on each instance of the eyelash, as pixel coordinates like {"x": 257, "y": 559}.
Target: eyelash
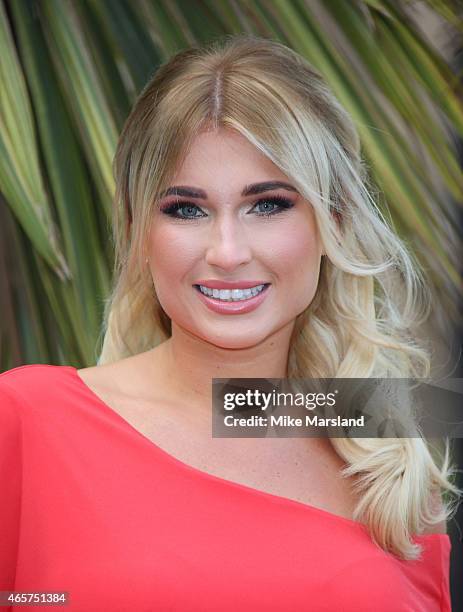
{"x": 284, "y": 204}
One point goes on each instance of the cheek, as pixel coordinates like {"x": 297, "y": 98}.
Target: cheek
{"x": 297, "y": 256}
{"x": 171, "y": 255}
{"x": 297, "y": 252}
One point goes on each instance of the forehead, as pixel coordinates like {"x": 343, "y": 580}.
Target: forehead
{"x": 220, "y": 158}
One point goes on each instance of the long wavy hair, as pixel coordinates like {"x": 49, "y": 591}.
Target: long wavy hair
{"x": 371, "y": 293}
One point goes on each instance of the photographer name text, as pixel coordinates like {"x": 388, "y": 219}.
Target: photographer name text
{"x": 288, "y": 421}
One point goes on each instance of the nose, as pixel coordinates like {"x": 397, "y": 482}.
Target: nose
{"x": 229, "y": 245}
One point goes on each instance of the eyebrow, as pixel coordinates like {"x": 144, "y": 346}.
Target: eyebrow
{"x": 255, "y": 188}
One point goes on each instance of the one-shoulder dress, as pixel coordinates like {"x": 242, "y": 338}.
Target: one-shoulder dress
{"x": 92, "y": 508}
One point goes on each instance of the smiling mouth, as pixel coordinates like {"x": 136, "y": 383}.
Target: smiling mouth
{"x": 233, "y": 295}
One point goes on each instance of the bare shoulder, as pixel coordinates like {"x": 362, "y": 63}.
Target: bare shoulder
{"x": 437, "y": 504}
{"x": 125, "y": 376}
{"x": 109, "y": 375}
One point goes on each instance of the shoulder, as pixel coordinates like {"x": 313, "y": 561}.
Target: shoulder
{"x": 28, "y": 383}
{"x": 18, "y": 387}
{"x": 134, "y": 376}
{"x": 36, "y": 400}
{"x": 29, "y": 373}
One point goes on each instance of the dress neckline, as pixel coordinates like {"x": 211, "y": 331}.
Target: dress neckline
{"x": 225, "y": 481}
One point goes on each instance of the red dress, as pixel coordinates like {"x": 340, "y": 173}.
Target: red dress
{"x": 92, "y": 507}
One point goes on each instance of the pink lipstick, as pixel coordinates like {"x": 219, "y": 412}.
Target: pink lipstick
{"x": 238, "y": 307}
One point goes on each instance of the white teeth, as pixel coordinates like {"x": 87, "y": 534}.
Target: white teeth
{"x": 231, "y": 295}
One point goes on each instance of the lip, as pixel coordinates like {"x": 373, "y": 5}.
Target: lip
{"x": 223, "y": 284}
{"x": 240, "y": 307}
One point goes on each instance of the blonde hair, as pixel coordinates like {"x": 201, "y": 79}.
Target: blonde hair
{"x": 370, "y": 292}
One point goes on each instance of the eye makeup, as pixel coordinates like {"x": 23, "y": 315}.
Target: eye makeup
{"x": 280, "y": 203}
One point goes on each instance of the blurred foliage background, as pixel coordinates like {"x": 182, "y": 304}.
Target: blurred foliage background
{"x": 70, "y": 71}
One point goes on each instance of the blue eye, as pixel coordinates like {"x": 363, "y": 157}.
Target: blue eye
{"x": 175, "y": 208}
{"x": 279, "y": 203}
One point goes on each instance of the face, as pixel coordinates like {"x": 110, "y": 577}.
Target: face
{"x": 224, "y": 234}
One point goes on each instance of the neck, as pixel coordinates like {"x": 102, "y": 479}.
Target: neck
{"x": 189, "y": 363}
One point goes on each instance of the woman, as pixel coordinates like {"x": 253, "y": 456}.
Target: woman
{"x": 247, "y": 245}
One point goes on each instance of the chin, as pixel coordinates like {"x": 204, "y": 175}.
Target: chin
{"x": 234, "y": 340}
